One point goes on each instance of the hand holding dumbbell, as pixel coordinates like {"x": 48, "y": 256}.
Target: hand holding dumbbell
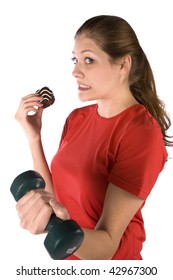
{"x": 64, "y": 237}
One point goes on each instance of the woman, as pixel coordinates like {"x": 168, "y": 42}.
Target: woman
{"x": 110, "y": 153}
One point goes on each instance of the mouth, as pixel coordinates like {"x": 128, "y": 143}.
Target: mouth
{"x": 83, "y": 87}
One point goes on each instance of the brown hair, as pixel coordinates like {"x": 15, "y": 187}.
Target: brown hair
{"x": 116, "y": 37}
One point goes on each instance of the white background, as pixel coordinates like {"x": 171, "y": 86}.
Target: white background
{"x": 36, "y": 41}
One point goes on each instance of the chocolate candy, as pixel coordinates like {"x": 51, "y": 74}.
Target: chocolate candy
{"x": 48, "y": 96}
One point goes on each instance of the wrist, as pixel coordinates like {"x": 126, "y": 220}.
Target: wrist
{"x": 34, "y": 139}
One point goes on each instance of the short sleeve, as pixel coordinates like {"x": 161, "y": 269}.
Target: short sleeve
{"x": 141, "y": 157}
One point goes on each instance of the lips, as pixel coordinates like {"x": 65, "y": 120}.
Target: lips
{"x": 83, "y": 87}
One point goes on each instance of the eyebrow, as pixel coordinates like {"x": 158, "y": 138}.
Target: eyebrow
{"x": 85, "y": 51}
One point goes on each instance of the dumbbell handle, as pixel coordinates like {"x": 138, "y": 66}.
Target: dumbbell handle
{"x": 54, "y": 220}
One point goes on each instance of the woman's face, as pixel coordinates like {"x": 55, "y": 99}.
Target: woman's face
{"x": 96, "y": 76}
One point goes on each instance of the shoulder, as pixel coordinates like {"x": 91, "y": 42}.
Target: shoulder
{"x": 143, "y": 135}
{"x": 141, "y": 132}
{"x": 137, "y": 116}
{"x": 137, "y": 121}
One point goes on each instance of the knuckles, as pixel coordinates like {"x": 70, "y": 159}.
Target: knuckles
{"x": 36, "y": 221}
{"x": 34, "y": 211}
{"x": 32, "y": 228}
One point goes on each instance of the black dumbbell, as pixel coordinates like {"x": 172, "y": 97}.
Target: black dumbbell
{"x": 63, "y": 237}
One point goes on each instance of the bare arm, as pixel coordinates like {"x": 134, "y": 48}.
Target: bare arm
{"x": 40, "y": 164}
{"x": 31, "y": 125}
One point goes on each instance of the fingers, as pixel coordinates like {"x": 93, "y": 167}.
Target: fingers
{"x": 33, "y": 199}
{"x": 36, "y": 207}
{"x": 31, "y": 102}
{"x": 31, "y": 123}
{"x": 34, "y": 211}
{"x": 59, "y": 210}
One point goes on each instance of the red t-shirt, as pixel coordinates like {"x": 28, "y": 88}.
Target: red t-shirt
{"x": 126, "y": 150}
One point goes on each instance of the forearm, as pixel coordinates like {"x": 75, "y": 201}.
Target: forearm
{"x": 40, "y": 163}
{"x": 97, "y": 245}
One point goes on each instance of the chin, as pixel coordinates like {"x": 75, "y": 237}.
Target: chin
{"x": 83, "y": 97}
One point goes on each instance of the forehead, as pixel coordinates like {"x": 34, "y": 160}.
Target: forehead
{"x": 83, "y": 43}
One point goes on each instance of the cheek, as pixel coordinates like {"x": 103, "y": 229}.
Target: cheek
{"x": 102, "y": 81}
{"x": 105, "y": 74}
{"x": 99, "y": 79}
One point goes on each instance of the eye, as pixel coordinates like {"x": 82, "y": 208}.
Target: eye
{"x": 74, "y": 59}
{"x": 89, "y": 60}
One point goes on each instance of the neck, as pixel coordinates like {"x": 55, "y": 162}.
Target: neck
{"x": 111, "y": 108}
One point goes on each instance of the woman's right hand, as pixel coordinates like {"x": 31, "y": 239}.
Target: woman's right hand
{"x": 30, "y": 123}
{"x": 35, "y": 209}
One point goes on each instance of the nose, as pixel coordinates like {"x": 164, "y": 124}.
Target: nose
{"x": 77, "y": 72}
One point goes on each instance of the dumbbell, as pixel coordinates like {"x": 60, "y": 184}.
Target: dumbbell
{"x": 63, "y": 237}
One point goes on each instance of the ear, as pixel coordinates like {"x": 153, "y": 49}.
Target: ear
{"x": 126, "y": 63}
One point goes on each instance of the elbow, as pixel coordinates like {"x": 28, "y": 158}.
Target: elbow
{"x": 97, "y": 245}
